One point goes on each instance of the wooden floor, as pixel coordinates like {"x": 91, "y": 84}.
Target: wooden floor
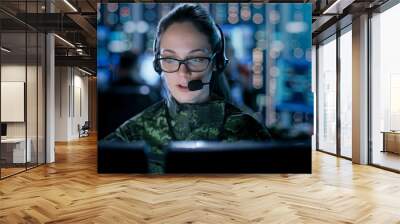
{"x": 5, "y": 172}
{"x": 71, "y": 191}
{"x": 10, "y": 171}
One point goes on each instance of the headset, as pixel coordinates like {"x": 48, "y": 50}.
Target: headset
{"x": 221, "y": 61}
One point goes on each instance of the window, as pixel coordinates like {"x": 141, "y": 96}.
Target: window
{"x": 385, "y": 88}
{"x": 327, "y": 95}
{"x": 346, "y": 92}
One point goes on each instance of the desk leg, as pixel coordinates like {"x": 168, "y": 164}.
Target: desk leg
{"x": 384, "y": 142}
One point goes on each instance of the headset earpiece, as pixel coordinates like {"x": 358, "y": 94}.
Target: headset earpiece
{"x": 156, "y": 64}
{"x": 221, "y": 59}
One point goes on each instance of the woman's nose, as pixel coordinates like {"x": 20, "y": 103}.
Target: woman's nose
{"x": 184, "y": 71}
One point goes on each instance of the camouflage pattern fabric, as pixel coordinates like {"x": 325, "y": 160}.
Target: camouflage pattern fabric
{"x": 215, "y": 120}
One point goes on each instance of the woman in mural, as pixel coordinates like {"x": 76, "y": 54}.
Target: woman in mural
{"x": 190, "y": 57}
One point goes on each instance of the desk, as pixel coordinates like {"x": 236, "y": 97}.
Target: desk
{"x": 391, "y": 141}
{"x": 16, "y": 147}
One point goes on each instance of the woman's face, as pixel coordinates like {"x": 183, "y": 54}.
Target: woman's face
{"x": 183, "y": 41}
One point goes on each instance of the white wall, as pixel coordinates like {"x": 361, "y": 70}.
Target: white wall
{"x": 71, "y": 93}
{"x": 80, "y": 89}
{"x": 13, "y": 73}
{"x": 62, "y": 81}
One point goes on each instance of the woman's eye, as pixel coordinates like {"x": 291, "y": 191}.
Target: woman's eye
{"x": 169, "y": 60}
{"x": 198, "y": 60}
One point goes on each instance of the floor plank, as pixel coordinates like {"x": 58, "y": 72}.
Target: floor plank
{"x": 71, "y": 191}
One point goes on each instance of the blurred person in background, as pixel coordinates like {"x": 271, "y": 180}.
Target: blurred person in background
{"x": 190, "y": 57}
{"x": 236, "y": 80}
{"x": 127, "y": 95}
{"x": 239, "y": 80}
{"x": 128, "y": 71}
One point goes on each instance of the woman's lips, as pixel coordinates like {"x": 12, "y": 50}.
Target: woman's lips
{"x": 182, "y": 88}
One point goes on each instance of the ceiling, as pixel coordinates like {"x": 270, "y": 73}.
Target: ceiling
{"x": 76, "y": 25}
{"x": 329, "y": 14}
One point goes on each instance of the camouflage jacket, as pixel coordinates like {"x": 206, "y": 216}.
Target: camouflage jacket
{"x": 215, "y": 120}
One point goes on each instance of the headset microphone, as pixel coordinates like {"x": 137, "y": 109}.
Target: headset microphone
{"x": 195, "y": 85}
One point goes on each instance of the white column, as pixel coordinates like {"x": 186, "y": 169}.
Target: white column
{"x": 360, "y": 90}
{"x": 50, "y": 92}
{"x": 50, "y": 108}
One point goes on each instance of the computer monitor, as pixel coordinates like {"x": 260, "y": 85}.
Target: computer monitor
{"x": 3, "y": 129}
{"x": 119, "y": 157}
{"x": 238, "y": 157}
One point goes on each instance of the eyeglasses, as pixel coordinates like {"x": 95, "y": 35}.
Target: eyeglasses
{"x": 194, "y": 64}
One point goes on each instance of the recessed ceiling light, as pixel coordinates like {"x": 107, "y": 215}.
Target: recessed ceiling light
{"x": 84, "y": 71}
{"x": 337, "y": 7}
{"x": 65, "y": 41}
{"x": 5, "y": 49}
{"x": 70, "y": 5}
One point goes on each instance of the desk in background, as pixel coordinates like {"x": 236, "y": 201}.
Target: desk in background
{"x": 13, "y": 150}
{"x": 391, "y": 141}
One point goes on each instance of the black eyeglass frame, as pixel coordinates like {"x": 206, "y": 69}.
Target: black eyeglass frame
{"x": 184, "y": 61}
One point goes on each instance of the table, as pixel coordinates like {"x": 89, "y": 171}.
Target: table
{"x": 16, "y": 147}
{"x": 391, "y": 141}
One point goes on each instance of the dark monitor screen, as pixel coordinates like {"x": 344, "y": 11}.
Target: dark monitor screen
{"x": 3, "y": 129}
{"x": 119, "y": 157}
{"x": 238, "y": 157}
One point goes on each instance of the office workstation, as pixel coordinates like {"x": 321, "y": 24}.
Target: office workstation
{"x": 238, "y": 157}
{"x": 16, "y": 148}
{"x": 208, "y": 157}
